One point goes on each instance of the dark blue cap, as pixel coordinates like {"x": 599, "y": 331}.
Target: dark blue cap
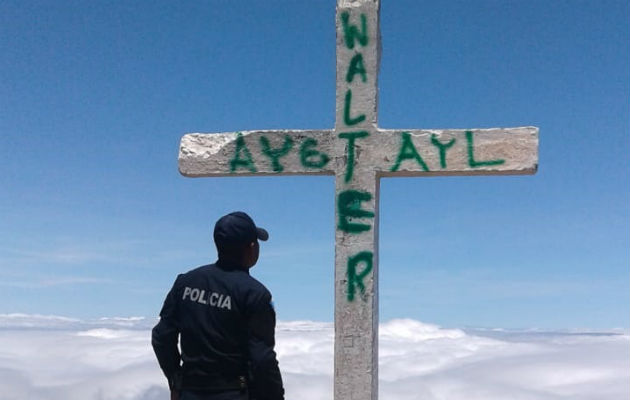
{"x": 237, "y": 228}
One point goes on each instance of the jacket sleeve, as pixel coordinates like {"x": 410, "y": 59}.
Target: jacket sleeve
{"x": 267, "y": 381}
{"x": 164, "y": 338}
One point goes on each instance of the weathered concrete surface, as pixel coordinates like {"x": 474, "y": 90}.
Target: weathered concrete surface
{"x": 493, "y": 151}
{"x": 212, "y": 154}
{"x": 356, "y": 310}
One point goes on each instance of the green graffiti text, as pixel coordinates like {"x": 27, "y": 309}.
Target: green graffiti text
{"x": 346, "y": 111}
{"x": 242, "y": 155}
{"x": 351, "y": 136}
{"x": 310, "y": 157}
{"x": 349, "y": 206}
{"x": 355, "y": 279}
{"x": 350, "y": 32}
{"x": 442, "y": 147}
{"x": 356, "y": 67}
{"x": 471, "y": 154}
{"x": 408, "y": 151}
{"x": 275, "y": 154}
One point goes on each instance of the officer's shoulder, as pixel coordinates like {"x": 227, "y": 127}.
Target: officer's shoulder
{"x": 254, "y": 292}
{"x": 193, "y": 273}
{"x": 256, "y": 285}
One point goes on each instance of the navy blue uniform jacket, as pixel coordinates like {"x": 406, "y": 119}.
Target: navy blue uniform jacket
{"x": 227, "y": 325}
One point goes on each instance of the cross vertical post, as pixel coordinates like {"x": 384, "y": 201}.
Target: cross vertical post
{"x": 356, "y": 213}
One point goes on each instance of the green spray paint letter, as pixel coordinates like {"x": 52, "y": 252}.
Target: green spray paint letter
{"x": 356, "y": 67}
{"x": 347, "y": 119}
{"x": 349, "y": 206}
{"x": 442, "y": 147}
{"x": 242, "y": 155}
{"x": 275, "y": 154}
{"x": 355, "y": 280}
{"x": 351, "y": 136}
{"x": 350, "y": 32}
{"x": 471, "y": 154}
{"x": 307, "y": 155}
{"x": 408, "y": 151}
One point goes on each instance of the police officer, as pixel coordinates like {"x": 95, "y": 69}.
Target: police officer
{"x": 226, "y": 322}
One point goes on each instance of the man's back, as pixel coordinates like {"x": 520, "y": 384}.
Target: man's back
{"x": 226, "y": 325}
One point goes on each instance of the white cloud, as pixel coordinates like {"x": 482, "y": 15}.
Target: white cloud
{"x": 50, "y": 358}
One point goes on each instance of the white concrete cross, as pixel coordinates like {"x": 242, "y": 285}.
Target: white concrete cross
{"x": 359, "y": 153}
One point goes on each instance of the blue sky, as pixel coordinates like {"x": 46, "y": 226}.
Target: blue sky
{"x": 95, "y": 220}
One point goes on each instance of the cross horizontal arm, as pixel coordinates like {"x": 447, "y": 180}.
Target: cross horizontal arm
{"x": 265, "y": 152}
{"x": 496, "y": 151}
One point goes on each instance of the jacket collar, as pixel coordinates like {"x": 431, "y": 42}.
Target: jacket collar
{"x": 231, "y": 265}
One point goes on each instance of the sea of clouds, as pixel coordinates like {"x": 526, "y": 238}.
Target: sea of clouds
{"x": 54, "y": 358}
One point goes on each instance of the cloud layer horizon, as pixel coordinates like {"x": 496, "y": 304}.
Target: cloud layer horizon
{"x": 51, "y": 357}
